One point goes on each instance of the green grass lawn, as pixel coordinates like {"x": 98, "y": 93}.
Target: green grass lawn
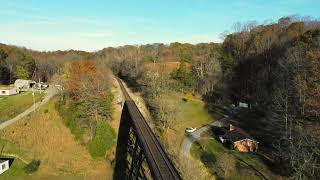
{"x": 11, "y": 106}
{"x": 16, "y": 169}
{"x": 225, "y": 163}
{"x": 191, "y": 113}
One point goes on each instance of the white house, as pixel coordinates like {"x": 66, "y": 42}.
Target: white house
{"x": 8, "y": 91}
{"x": 24, "y": 84}
{"x": 4, "y": 165}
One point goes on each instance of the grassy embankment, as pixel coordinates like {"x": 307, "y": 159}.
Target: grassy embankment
{"x": 43, "y": 136}
{"x": 11, "y": 106}
{"x": 104, "y": 139}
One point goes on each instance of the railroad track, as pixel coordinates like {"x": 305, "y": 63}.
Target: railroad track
{"x": 159, "y": 163}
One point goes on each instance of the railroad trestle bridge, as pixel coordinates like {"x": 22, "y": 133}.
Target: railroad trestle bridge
{"x": 139, "y": 155}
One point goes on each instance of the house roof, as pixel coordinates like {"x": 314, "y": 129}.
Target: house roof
{"x": 238, "y": 135}
{"x": 3, "y": 160}
{"x": 24, "y": 81}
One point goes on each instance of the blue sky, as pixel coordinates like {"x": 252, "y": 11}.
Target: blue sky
{"x": 95, "y": 24}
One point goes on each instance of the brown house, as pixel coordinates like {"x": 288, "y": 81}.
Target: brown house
{"x": 242, "y": 141}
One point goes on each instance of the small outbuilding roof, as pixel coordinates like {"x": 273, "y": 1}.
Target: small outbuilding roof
{"x": 3, "y": 160}
{"x": 24, "y": 81}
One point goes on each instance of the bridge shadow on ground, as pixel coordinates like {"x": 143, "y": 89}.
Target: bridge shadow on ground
{"x": 121, "y": 163}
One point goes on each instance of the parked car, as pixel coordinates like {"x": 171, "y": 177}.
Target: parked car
{"x": 190, "y": 130}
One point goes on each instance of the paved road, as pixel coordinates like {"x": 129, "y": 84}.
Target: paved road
{"x": 196, "y": 135}
{"x": 51, "y": 91}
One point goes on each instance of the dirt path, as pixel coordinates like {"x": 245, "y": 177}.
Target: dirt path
{"x": 50, "y": 92}
{"x": 117, "y": 103}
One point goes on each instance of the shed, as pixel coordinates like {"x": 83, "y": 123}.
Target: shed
{"x": 4, "y": 165}
{"x": 24, "y": 84}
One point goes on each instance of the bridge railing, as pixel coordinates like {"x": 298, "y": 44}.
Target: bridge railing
{"x": 139, "y": 155}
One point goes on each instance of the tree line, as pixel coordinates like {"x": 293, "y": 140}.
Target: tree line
{"x": 21, "y": 63}
{"x": 15, "y": 64}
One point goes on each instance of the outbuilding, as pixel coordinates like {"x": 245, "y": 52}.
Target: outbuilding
{"x": 24, "y": 84}
{"x": 4, "y": 165}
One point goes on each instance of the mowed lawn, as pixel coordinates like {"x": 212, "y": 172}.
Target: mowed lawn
{"x": 43, "y": 136}
{"x": 11, "y": 106}
{"x": 21, "y": 159}
{"x": 191, "y": 112}
{"x": 224, "y": 163}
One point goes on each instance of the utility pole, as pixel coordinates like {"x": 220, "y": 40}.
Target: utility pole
{"x": 60, "y": 88}
{"x": 40, "y": 86}
{"x": 34, "y": 101}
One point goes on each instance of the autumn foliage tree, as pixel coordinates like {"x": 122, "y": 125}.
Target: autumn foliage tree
{"x": 89, "y": 91}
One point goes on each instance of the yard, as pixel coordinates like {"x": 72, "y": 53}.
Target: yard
{"x": 191, "y": 113}
{"x": 11, "y": 106}
{"x": 224, "y": 163}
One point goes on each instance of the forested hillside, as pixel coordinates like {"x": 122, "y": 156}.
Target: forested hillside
{"x": 276, "y": 70}
{"x": 22, "y": 63}
{"x": 273, "y": 67}
{"x": 15, "y": 64}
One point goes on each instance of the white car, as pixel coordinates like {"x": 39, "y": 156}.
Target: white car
{"x": 190, "y": 130}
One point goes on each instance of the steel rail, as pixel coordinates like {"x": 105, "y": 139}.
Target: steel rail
{"x": 159, "y": 163}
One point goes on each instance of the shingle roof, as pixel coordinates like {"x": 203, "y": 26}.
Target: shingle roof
{"x": 237, "y": 135}
{"x": 3, "y": 160}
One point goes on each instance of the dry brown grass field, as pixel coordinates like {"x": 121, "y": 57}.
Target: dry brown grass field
{"x": 164, "y": 67}
{"x": 46, "y": 138}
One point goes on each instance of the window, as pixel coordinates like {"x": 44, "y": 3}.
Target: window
{"x": 3, "y": 166}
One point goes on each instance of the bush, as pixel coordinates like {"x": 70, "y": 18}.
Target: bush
{"x": 33, "y": 166}
{"x": 103, "y": 140}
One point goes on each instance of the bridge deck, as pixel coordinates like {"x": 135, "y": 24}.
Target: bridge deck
{"x": 160, "y": 165}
